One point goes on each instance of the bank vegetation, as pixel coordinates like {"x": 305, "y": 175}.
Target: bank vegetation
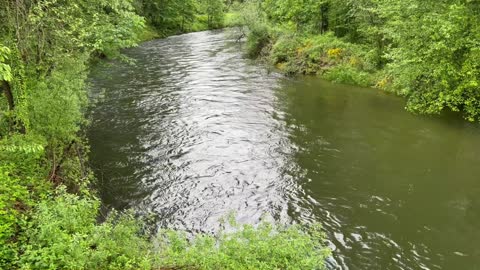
{"x": 425, "y": 50}
{"x": 49, "y": 213}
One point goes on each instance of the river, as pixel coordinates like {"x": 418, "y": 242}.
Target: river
{"x": 194, "y": 130}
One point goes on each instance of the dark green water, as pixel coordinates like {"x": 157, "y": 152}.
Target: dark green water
{"x": 194, "y": 131}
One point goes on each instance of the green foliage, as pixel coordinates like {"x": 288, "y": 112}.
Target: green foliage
{"x": 26, "y": 152}
{"x": 200, "y": 23}
{"x": 48, "y": 64}
{"x": 326, "y": 55}
{"x": 303, "y": 52}
{"x": 173, "y": 17}
{"x": 43, "y": 67}
{"x": 258, "y": 39}
{"x": 116, "y": 29}
{"x": 58, "y": 119}
{"x": 231, "y": 19}
{"x": 264, "y": 247}
{"x": 67, "y": 29}
{"x": 63, "y": 234}
{"x": 169, "y": 16}
{"x": 148, "y": 33}
{"x": 285, "y": 48}
{"x": 428, "y": 50}
{"x": 214, "y": 9}
{"x": 435, "y": 60}
{"x": 305, "y": 15}
{"x": 13, "y": 197}
{"x": 259, "y": 33}
{"x": 17, "y": 196}
{"x": 5, "y": 69}
{"x": 21, "y": 184}
{"x": 348, "y": 75}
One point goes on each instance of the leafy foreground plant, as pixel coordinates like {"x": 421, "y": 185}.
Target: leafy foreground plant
{"x": 64, "y": 234}
{"x": 268, "y": 246}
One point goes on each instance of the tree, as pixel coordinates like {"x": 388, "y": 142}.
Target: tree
{"x": 435, "y": 54}
{"x": 214, "y": 11}
{"x": 169, "y": 16}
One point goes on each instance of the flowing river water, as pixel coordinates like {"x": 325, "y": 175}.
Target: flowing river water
{"x": 194, "y": 131}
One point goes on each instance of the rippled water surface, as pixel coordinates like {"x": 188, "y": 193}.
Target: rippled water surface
{"x": 193, "y": 131}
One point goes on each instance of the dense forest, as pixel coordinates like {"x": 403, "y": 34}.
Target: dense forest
{"x": 427, "y": 51}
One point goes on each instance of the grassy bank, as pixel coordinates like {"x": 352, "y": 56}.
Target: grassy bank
{"x": 322, "y": 55}
{"x": 299, "y": 52}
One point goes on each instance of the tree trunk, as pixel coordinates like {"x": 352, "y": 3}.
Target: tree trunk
{"x": 7, "y": 89}
{"x": 324, "y": 8}
{"x": 5, "y": 86}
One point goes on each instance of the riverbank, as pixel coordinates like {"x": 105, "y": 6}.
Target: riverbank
{"x": 323, "y": 55}
{"x": 48, "y": 208}
{"x": 366, "y": 44}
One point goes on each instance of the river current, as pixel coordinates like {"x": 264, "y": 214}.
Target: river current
{"x": 193, "y": 131}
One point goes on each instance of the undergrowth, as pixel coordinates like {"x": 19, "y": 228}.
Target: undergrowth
{"x": 324, "y": 55}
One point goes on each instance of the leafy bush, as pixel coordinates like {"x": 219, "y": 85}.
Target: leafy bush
{"x": 258, "y": 38}
{"x": 13, "y": 197}
{"x": 285, "y": 49}
{"x": 435, "y": 60}
{"x": 25, "y": 152}
{"x": 326, "y": 55}
{"x": 59, "y": 119}
{"x": 254, "y": 27}
{"x": 63, "y": 234}
{"x": 232, "y": 19}
{"x": 5, "y": 69}
{"x": 213, "y": 9}
{"x": 200, "y": 23}
{"x": 348, "y": 75}
{"x": 265, "y": 247}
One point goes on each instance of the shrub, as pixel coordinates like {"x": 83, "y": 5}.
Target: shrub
{"x": 200, "y": 23}
{"x": 265, "y": 247}
{"x": 348, "y": 75}
{"x": 57, "y": 102}
{"x": 257, "y": 39}
{"x": 231, "y": 19}
{"x": 259, "y": 32}
{"x": 25, "y": 152}
{"x": 13, "y": 197}
{"x": 63, "y": 234}
{"x": 285, "y": 49}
